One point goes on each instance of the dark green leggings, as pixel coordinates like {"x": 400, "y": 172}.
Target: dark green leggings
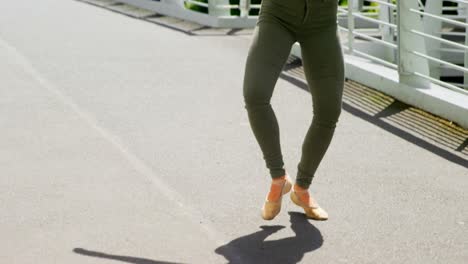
{"x": 312, "y": 23}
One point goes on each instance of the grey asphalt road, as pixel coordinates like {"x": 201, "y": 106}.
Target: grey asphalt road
{"x": 127, "y": 142}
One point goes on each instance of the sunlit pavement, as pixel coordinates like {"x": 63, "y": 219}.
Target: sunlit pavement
{"x": 127, "y": 141}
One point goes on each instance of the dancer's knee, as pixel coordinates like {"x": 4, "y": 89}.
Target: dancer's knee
{"x": 255, "y": 98}
{"x": 252, "y": 104}
{"x": 327, "y": 118}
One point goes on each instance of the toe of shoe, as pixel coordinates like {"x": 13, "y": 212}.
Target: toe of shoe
{"x": 318, "y": 214}
{"x": 270, "y": 210}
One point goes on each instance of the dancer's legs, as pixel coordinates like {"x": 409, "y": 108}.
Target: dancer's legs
{"x": 324, "y": 70}
{"x": 269, "y": 50}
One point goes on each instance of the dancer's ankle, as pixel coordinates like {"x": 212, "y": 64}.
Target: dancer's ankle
{"x": 276, "y": 188}
{"x": 302, "y": 192}
{"x": 299, "y": 188}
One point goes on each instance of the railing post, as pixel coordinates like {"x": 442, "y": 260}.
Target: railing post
{"x": 358, "y": 5}
{"x": 465, "y": 14}
{"x": 386, "y": 15}
{"x": 433, "y": 27}
{"x": 213, "y": 9}
{"x": 244, "y": 6}
{"x": 407, "y": 42}
{"x": 351, "y": 8}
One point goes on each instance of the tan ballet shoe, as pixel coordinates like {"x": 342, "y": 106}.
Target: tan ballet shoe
{"x": 271, "y": 209}
{"x": 312, "y": 210}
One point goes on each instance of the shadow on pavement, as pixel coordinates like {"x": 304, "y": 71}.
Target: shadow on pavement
{"x": 127, "y": 259}
{"x": 252, "y": 248}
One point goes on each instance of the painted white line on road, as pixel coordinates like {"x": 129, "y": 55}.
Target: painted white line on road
{"x": 138, "y": 164}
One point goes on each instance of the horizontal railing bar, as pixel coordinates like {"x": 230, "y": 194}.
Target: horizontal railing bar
{"x": 461, "y": 85}
{"x": 226, "y": 6}
{"x": 458, "y": 45}
{"x": 374, "y": 20}
{"x": 383, "y": 3}
{"x": 442, "y": 83}
{"x": 386, "y": 63}
{"x": 459, "y": 34}
{"x": 455, "y": 16}
{"x": 197, "y": 3}
{"x": 343, "y": 28}
{"x": 370, "y": 7}
{"x": 452, "y": 8}
{"x": 459, "y": 1}
{"x": 345, "y": 11}
{"x": 451, "y": 50}
{"x": 386, "y": 43}
{"x": 455, "y": 22}
{"x": 445, "y": 66}
{"x": 460, "y": 68}
{"x": 369, "y": 13}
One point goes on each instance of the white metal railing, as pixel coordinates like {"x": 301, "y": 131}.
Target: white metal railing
{"x": 355, "y": 10}
{"x": 408, "y": 37}
{"x": 411, "y": 37}
{"x": 418, "y": 48}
